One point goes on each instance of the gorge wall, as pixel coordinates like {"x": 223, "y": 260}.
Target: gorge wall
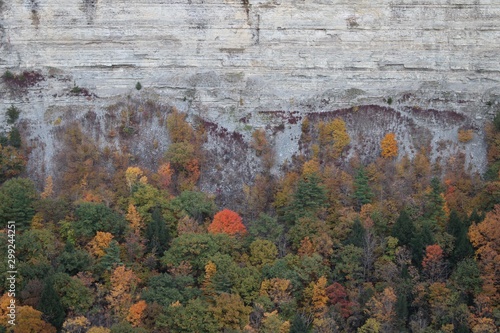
{"x": 228, "y": 60}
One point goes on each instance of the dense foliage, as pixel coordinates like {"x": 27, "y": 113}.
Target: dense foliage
{"x": 335, "y": 244}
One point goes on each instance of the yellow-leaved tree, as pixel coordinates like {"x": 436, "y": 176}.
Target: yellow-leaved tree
{"x": 389, "y": 146}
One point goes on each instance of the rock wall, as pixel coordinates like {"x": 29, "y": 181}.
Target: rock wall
{"x": 252, "y": 54}
{"x": 226, "y": 59}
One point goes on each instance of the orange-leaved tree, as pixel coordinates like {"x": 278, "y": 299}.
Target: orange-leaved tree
{"x": 485, "y": 237}
{"x": 227, "y": 222}
{"x": 433, "y": 264}
{"x": 389, "y": 146}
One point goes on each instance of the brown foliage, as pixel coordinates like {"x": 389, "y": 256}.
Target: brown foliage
{"x": 178, "y": 128}
{"x": 465, "y": 136}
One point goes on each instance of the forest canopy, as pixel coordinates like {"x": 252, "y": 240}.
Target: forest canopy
{"x": 331, "y": 243}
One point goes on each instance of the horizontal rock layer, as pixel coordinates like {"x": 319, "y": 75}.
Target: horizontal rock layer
{"x": 228, "y": 59}
{"x": 260, "y": 54}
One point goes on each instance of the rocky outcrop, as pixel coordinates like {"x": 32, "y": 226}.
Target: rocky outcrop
{"x": 228, "y": 60}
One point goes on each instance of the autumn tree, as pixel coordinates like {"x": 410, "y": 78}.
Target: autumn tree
{"x": 389, "y": 146}
{"x": 178, "y": 128}
{"x": 30, "y": 320}
{"x": 123, "y": 286}
{"x": 433, "y": 264}
{"x": 133, "y": 175}
{"x": 99, "y": 243}
{"x": 134, "y": 218}
{"x": 228, "y": 222}
{"x": 278, "y": 290}
{"x": 207, "y": 285}
{"x": 136, "y": 312}
{"x": 262, "y": 252}
{"x": 12, "y": 162}
{"x": 230, "y": 312}
{"x": 78, "y": 324}
{"x": 272, "y": 323}
{"x": 48, "y": 190}
{"x": 316, "y": 299}
{"x": 165, "y": 173}
{"x": 79, "y": 162}
{"x": 333, "y": 137}
{"x": 381, "y": 307}
{"x": 485, "y": 237}
{"x": 338, "y": 297}
{"x": 184, "y": 152}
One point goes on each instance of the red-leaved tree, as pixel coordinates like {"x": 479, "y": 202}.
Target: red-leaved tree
{"x": 227, "y": 222}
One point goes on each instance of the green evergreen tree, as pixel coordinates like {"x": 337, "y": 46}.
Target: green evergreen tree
{"x": 403, "y": 229}
{"x": 421, "y": 240}
{"x": 15, "y": 138}
{"x": 402, "y": 308}
{"x": 17, "y": 197}
{"x": 265, "y": 227}
{"x": 308, "y": 199}
{"x": 357, "y": 234}
{"x": 298, "y": 325}
{"x": 50, "y": 304}
{"x": 475, "y": 217}
{"x": 111, "y": 258}
{"x": 197, "y": 205}
{"x": 73, "y": 260}
{"x": 466, "y": 278}
{"x": 434, "y": 205}
{"x": 458, "y": 229}
{"x": 12, "y": 114}
{"x": 157, "y": 233}
{"x": 362, "y": 191}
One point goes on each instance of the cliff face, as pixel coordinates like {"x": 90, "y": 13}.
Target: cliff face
{"x": 273, "y": 54}
{"x": 226, "y": 60}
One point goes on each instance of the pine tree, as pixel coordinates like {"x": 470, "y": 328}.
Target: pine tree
{"x": 403, "y": 229}
{"x": 458, "y": 229}
{"x": 298, "y": 325}
{"x": 434, "y": 205}
{"x": 157, "y": 233}
{"x": 362, "y": 191}
{"x": 308, "y": 199}
{"x": 421, "y": 240}
{"x": 112, "y": 256}
{"x": 50, "y": 305}
{"x": 402, "y": 308}
{"x": 15, "y": 138}
{"x": 17, "y": 197}
{"x": 357, "y": 235}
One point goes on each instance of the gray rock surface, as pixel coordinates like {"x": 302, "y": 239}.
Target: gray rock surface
{"x": 228, "y": 59}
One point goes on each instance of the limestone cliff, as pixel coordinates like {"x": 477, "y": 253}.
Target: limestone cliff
{"x": 228, "y": 60}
